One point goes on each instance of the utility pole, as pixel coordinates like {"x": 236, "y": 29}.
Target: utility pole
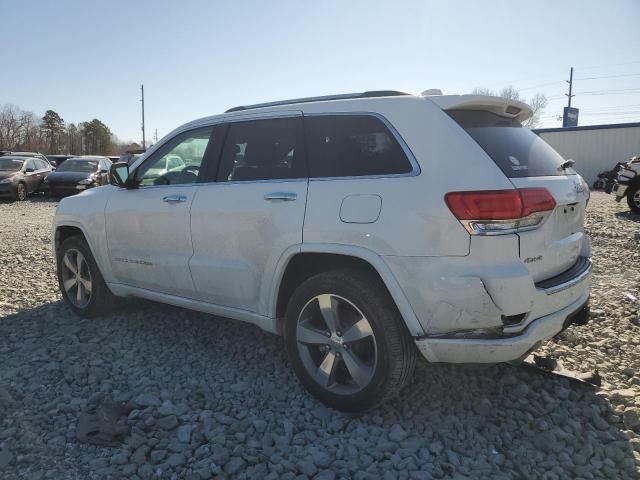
{"x": 144, "y": 141}
{"x": 570, "y": 82}
{"x": 156, "y": 136}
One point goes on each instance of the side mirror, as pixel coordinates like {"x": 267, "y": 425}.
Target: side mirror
{"x": 53, "y": 163}
{"x": 119, "y": 175}
{"x": 29, "y": 170}
{"x": 102, "y": 170}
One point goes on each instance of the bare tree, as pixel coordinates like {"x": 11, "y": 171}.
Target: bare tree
{"x": 537, "y": 103}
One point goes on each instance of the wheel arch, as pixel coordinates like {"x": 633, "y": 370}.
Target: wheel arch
{"x": 635, "y": 182}
{"x": 311, "y": 260}
{"x": 67, "y": 230}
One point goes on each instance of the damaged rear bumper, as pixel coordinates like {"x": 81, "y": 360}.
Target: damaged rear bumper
{"x": 504, "y": 348}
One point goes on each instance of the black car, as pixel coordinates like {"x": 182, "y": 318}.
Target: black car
{"x": 20, "y": 176}
{"x": 57, "y": 160}
{"x": 78, "y": 174}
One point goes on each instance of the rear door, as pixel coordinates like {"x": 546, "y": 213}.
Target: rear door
{"x": 529, "y": 162}
{"x": 252, "y": 213}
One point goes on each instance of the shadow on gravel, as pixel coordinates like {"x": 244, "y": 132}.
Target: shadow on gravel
{"x": 215, "y": 395}
{"x": 634, "y": 217}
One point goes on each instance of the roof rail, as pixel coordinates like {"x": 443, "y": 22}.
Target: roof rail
{"x": 343, "y": 96}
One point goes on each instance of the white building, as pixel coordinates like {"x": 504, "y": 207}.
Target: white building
{"x": 594, "y": 148}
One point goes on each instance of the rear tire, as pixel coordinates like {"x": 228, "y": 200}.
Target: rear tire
{"x": 81, "y": 284}
{"x": 365, "y": 357}
{"x": 633, "y": 198}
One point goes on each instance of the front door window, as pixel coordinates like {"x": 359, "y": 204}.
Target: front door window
{"x": 178, "y": 162}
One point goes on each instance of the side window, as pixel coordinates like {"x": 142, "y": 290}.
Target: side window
{"x": 352, "y": 146}
{"x": 178, "y": 162}
{"x": 269, "y": 149}
{"x": 30, "y": 164}
{"x": 40, "y": 164}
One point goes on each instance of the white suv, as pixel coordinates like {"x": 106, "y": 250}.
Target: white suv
{"x": 364, "y": 228}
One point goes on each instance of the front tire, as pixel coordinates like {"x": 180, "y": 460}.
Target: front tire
{"x": 633, "y": 198}
{"x": 81, "y": 284}
{"x": 21, "y": 192}
{"x": 346, "y": 340}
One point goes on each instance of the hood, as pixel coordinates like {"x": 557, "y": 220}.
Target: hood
{"x": 67, "y": 177}
{"x": 4, "y": 174}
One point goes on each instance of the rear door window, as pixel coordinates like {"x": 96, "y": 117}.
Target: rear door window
{"x": 352, "y": 146}
{"x": 516, "y": 150}
{"x": 269, "y": 149}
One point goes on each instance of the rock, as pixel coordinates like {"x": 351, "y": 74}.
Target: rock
{"x": 483, "y": 407}
{"x": 168, "y": 423}
{"x": 397, "y": 433}
{"x": 240, "y": 387}
{"x": 147, "y": 400}
{"x": 140, "y": 455}
{"x": 167, "y": 408}
{"x": 184, "y": 433}
{"x": 260, "y": 425}
{"x": 307, "y": 468}
{"x": 325, "y": 475}
{"x": 119, "y": 459}
{"x": 157, "y": 456}
{"x": 175, "y": 459}
{"x": 631, "y": 417}
{"x": 623, "y": 395}
{"x": 234, "y": 465}
{"x": 6, "y": 457}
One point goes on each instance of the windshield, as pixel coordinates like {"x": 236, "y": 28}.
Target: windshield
{"x": 516, "y": 150}
{"x": 81, "y": 166}
{"x": 11, "y": 164}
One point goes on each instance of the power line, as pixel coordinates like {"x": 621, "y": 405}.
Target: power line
{"x": 610, "y": 76}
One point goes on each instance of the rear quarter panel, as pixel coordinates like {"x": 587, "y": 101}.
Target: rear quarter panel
{"x": 414, "y": 219}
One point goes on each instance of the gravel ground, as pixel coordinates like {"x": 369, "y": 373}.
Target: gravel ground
{"x": 216, "y": 398}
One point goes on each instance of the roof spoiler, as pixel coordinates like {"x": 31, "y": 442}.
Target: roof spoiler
{"x": 498, "y": 105}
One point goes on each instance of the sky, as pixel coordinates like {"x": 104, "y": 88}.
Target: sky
{"x": 87, "y": 59}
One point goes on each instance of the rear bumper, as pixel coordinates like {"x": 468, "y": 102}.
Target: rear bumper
{"x": 482, "y": 309}
{"x": 504, "y": 349}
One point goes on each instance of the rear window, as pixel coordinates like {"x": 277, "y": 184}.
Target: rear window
{"x": 516, "y": 150}
{"x": 352, "y": 146}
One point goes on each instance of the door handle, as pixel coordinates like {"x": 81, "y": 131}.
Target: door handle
{"x": 174, "y": 198}
{"x": 283, "y": 196}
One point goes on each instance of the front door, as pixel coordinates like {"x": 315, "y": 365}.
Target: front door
{"x": 254, "y": 211}
{"x": 148, "y": 228}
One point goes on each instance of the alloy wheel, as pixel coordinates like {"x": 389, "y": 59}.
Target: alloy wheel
{"x": 336, "y": 344}
{"x": 76, "y": 278}
{"x": 22, "y": 192}
{"x": 636, "y": 198}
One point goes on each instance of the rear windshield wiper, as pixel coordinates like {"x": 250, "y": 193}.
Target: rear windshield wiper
{"x": 567, "y": 164}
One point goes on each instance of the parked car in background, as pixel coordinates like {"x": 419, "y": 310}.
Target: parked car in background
{"x": 20, "y": 176}
{"x": 131, "y": 156}
{"x": 57, "y": 160}
{"x": 607, "y": 179}
{"x": 344, "y": 224}
{"x": 78, "y": 174}
{"x": 26, "y": 154}
{"x": 628, "y": 183}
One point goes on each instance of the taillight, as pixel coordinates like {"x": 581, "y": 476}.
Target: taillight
{"x": 493, "y": 212}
